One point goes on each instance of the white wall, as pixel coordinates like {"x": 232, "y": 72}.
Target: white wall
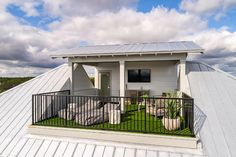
{"x": 163, "y": 76}
{"x": 81, "y": 82}
{"x": 113, "y": 68}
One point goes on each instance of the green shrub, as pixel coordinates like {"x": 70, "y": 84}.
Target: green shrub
{"x": 8, "y": 82}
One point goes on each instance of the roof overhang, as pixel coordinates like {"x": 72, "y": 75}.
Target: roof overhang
{"x": 156, "y": 48}
{"x": 81, "y": 55}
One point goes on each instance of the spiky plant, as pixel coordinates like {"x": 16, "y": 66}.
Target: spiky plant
{"x": 173, "y": 105}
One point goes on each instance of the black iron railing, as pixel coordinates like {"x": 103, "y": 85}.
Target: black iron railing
{"x": 156, "y": 115}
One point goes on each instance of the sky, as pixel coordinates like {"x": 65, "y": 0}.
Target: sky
{"x": 31, "y": 30}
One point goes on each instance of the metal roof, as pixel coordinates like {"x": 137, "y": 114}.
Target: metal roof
{"x": 131, "y": 49}
{"x": 15, "y": 116}
{"x": 214, "y": 94}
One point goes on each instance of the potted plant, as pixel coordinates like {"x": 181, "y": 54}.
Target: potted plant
{"x": 171, "y": 119}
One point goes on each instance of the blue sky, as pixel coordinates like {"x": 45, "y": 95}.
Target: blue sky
{"x": 146, "y": 6}
{"x": 40, "y": 21}
{"x": 32, "y": 30}
{"x": 228, "y": 20}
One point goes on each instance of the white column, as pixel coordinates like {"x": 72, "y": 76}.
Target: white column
{"x": 182, "y": 75}
{"x": 122, "y": 78}
{"x": 96, "y": 80}
{"x": 71, "y": 75}
{"x": 122, "y": 84}
{"x": 182, "y": 79}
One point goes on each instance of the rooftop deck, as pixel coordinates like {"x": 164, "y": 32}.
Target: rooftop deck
{"x": 152, "y": 115}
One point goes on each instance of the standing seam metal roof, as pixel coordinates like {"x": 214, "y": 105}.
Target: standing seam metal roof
{"x": 15, "y": 116}
{"x": 214, "y": 94}
{"x": 213, "y": 91}
{"x": 144, "y": 48}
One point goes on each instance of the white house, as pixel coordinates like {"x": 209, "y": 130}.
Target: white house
{"x": 66, "y": 97}
{"x": 152, "y": 67}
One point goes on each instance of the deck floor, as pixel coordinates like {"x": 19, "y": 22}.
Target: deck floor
{"x": 132, "y": 121}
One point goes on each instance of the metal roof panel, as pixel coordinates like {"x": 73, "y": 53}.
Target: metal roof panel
{"x": 214, "y": 94}
{"x": 155, "y": 47}
{"x": 15, "y": 109}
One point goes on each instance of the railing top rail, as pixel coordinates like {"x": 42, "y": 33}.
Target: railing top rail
{"x": 115, "y": 97}
{"x": 48, "y": 93}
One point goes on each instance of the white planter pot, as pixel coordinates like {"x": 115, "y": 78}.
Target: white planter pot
{"x": 171, "y": 124}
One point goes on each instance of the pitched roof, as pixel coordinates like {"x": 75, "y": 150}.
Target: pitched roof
{"x": 137, "y": 48}
{"x": 214, "y": 95}
{"x": 15, "y": 109}
{"x": 212, "y": 89}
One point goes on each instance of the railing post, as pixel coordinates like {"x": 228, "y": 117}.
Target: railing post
{"x": 41, "y": 107}
{"x": 103, "y": 104}
{"x": 52, "y": 104}
{"x": 145, "y": 127}
{"x": 192, "y": 125}
{"x": 66, "y": 110}
{"x": 32, "y": 109}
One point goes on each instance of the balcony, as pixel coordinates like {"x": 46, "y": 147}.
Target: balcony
{"x": 166, "y": 115}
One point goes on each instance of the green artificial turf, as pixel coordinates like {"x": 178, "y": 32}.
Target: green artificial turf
{"x": 132, "y": 121}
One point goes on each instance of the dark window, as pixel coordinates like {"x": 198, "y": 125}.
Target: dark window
{"x": 139, "y": 75}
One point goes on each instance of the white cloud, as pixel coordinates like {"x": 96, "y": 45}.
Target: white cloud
{"x": 23, "y": 46}
{"x": 85, "y": 7}
{"x": 30, "y": 8}
{"x": 203, "y": 7}
{"x": 216, "y": 39}
{"x": 10, "y": 69}
{"x": 128, "y": 25}
{"x": 220, "y": 48}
